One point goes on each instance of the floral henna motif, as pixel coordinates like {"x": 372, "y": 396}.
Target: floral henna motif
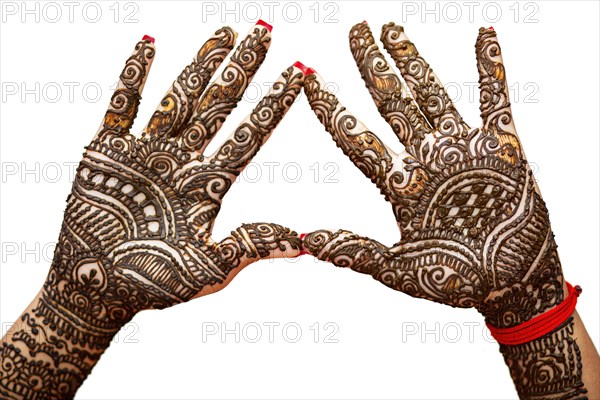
{"x": 475, "y": 231}
{"x": 136, "y": 231}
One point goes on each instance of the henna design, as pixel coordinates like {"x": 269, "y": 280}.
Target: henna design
{"x": 396, "y": 107}
{"x": 365, "y": 149}
{"x": 425, "y": 86}
{"x": 222, "y": 96}
{"x": 548, "y": 367}
{"x": 475, "y": 231}
{"x": 178, "y": 104}
{"x": 137, "y": 225}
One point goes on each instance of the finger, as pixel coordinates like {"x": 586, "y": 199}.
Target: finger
{"x": 256, "y": 128}
{"x": 222, "y": 96}
{"x": 180, "y": 100}
{"x": 493, "y": 89}
{"x": 386, "y": 89}
{"x": 361, "y": 145}
{"x": 345, "y": 249}
{"x": 212, "y": 179}
{"x": 426, "y": 88}
{"x": 126, "y": 98}
{"x": 250, "y": 243}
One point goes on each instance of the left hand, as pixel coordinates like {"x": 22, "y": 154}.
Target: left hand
{"x": 475, "y": 231}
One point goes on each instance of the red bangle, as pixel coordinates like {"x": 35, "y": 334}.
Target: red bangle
{"x": 540, "y": 325}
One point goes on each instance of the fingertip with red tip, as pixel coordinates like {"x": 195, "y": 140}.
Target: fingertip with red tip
{"x": 269, "y": 27}
{"x": 148, "y": 38}
{"x": 305, "y": 70}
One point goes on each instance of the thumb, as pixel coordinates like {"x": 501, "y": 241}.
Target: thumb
{"x": 413, "y": 270}
{"x": 348, "y": 250}
{"x": 250, "y": 243}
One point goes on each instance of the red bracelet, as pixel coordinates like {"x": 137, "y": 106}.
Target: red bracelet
{"x": 540, "y": 325}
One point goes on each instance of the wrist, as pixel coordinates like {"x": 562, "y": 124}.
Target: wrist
{"x": 77, "y": 318}
{"x": 542, "y": 353}
{"x": 550, "y": 365}
{"x": 539, "y": 325}
{"x": 519, "y": 303}
{"x": 40, "y": 362}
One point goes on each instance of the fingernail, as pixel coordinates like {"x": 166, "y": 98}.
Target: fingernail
{"x": 305, "y": 70}
{"x": 364, "y": 22}
{"x": 491, "y": 28}
{"x": 302, "y": 236}
{"x": 263, "y": 23}
{"x": 146, "y": 37}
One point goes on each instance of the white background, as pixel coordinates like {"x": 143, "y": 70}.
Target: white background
{"x": 388, "y": 344}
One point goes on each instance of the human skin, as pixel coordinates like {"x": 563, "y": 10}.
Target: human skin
{"x": 48, "y": 359}
{"x": 475, "y": 231}
{"x": 137, "y": 228}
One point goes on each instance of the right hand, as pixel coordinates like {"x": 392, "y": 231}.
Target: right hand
{"x": 137, "y": 227}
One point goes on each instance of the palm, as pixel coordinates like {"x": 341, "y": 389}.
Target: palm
{"x": 474, "y": 228}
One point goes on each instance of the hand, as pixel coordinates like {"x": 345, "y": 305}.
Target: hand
{"x": 474, "y": 228}
{"x": 137, "y": 228}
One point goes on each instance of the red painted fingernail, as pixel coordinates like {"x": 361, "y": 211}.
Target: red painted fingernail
{"x": 146, "y": 37}
{"x": 310, "y": 71}
{"x": 263, "y": 23}
{"x": 305, "y": 70}
{"x": 491, "y": 28}
{"x": 364, "y": 22}
{"x": 302, "y": 236}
